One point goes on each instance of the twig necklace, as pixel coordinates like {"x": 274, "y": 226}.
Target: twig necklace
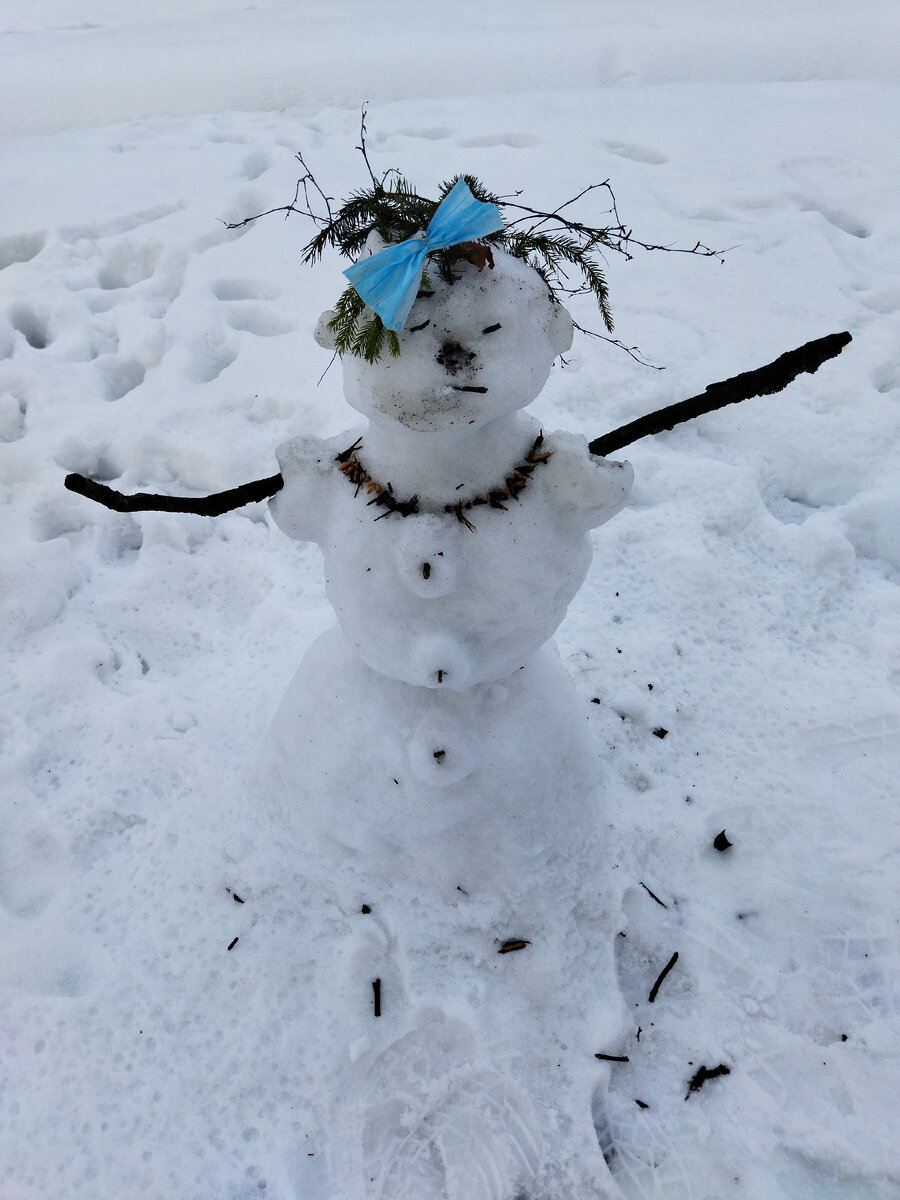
{"x": 383, "y": 494}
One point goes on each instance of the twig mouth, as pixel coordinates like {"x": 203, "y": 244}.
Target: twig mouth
{"x": 469, "y": 388}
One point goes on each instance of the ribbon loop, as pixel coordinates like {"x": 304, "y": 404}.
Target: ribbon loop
{"x": 389, "y": 280}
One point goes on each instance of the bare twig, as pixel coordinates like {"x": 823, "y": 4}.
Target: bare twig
{"x": 653, "y": 896}
{"x": 654, "y": 991}
{"x": 376, "y": 183}
{"x": 306, "y": 181}
{"x": 633, "y": 351}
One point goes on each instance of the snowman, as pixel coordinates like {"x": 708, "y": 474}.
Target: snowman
{"x": 431, "y": 763}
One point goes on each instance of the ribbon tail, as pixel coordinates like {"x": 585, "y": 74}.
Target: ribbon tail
{"x": 388, "y": 281}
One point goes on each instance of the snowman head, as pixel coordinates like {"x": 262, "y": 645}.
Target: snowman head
{"x": 471, "y": 350}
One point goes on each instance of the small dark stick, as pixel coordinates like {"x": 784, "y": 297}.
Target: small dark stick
{"x": 236, "y": 898}
{"x": 641, "y": 1104}
{"x": 705, "y": 1073}
{"x": 234, "y": 943}
{"x": 376, "y": 988}
{"x": 514, "y": 944}
{"x": 612, "y": 1057}
{"x": 653, "y": 896}
{"x": 666, "y": 969}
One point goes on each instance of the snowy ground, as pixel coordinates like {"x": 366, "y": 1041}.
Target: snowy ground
{"x": 747, "y": 600}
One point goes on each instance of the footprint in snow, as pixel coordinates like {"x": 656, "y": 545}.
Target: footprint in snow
{"x": 17, "y": 390}
{"x": 255, "y": 164}
{"x": 20, "y": 248}
{"x": 33, "y": 323}
{"x": 839, "y": 218}
{"x": 244, "y": 289}
{"x": 514, "y": 140}
{"x": 120, "y": 376}
{"x": 258, "y": 320}
{"x": 636, "y": 152}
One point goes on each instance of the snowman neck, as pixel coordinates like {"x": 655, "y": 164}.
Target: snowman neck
{"x": 440, "y": 467}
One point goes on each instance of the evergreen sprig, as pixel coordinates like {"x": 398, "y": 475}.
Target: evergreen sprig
{"x": 553, "y": 243}
{"x": 394, "y": 210}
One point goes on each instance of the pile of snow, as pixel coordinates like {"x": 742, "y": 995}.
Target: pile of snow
{"x": 738, "y": 628}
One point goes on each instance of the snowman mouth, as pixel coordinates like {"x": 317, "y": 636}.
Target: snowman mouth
{"x": 467, "y": 388}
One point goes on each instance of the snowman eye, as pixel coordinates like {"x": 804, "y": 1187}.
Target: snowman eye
{"x": 492, "y": 328}
{"x": 416, "y": 328}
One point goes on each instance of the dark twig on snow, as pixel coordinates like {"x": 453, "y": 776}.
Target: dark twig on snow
{"x": 376, "y": 990}
{"x": 306, "y": 181}
{"x": 515, "y": 944}
{"x": 612, "y": 1057}
{"x": 653, "y": 896}
{"x": 204, "y": 506}
{"x": 703, "y": 1074}
{"x": 666, "y": 969}
{"x": 764, "y": 381}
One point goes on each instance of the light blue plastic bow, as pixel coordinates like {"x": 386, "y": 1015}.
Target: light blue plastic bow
{"x": 389, "y": 280}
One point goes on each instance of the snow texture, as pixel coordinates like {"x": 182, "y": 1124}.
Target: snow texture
{"x": 738, "y": 628}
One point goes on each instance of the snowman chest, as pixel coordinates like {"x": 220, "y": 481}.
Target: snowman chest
{"x": 429, "y": 601}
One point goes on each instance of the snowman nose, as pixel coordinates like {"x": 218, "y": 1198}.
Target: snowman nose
{"x": 454, "y": 357}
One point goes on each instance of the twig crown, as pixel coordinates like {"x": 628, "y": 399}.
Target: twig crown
{"x": 552, "y": 243}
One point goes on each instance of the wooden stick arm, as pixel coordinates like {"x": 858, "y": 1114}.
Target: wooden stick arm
{"x": 764, "y": 381}
{"x": 204, "y": 506}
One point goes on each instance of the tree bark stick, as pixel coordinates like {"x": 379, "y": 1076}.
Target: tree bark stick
{"x": 204, "y": 506}
{"x": 764, "y": 381}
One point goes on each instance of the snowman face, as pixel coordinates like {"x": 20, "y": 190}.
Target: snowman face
{"x": 471, "y": 351}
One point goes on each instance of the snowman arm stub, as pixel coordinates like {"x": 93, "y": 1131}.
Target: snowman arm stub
{"x": 594, "y": 488}
{"x": 302, "y": 506}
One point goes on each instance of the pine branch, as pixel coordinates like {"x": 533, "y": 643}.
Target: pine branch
{"x": 548, "y": 241}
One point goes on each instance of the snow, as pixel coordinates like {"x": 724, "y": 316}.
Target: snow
{"x": 752, "y": 581}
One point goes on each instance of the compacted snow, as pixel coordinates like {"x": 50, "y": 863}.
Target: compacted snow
{"x": 735, "y": 648}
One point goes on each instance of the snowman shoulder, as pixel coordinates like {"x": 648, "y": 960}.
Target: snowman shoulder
{"x": 302, "y": 508}
{"x": 593, "y": 488}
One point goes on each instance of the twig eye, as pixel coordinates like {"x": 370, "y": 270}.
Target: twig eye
{"x": 416, "y": 328}
{"x": 492, "y": 328}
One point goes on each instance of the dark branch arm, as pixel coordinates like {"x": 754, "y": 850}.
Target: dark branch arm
{"x": 764, "y": 381}
{"x": 204, "y": 506}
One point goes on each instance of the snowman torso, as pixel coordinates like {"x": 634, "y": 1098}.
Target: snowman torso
{"x": 435, "y": 600}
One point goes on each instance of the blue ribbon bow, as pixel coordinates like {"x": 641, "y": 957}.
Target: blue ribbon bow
{"x": 389, "y": 280}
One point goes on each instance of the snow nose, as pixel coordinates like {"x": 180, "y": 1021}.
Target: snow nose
{"x": 454, "y": 358}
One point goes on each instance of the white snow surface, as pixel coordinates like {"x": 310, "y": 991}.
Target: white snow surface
{"x": 746, "y": 601}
